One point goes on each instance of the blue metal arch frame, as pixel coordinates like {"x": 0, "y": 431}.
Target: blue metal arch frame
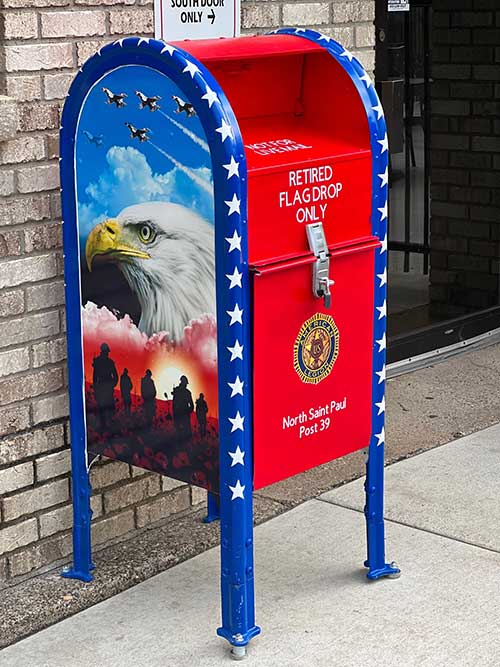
{"x": 233, "y": 317}
{"x": 234, "y": 342}
{"x": 374, "y": 485}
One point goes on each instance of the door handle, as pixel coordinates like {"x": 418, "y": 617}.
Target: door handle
{"x": 321, "y": 268}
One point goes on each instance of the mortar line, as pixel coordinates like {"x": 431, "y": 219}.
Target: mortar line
{"x": 408, "y": 525}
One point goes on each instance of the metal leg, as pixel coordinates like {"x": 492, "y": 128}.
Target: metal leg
{"x": 82, "y": 516}
{"x": 235, "y": 405}
{"x": 237, "y": 575}
{"x": 374, "y": 513}
{"x": 213, "y": 512}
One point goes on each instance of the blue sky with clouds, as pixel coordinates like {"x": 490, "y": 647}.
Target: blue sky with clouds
{"x": 122, "y": 171}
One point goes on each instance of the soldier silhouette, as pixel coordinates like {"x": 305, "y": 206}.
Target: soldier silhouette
{"x": 201, "y": 414}
{"x": 148, "y": 394}
{"x": 182, "y": 406}
{"x": 125, "y": 389}
{"x": 104, "y": 381}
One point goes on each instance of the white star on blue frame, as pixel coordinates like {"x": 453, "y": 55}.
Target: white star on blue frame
{"x": 233, "y": 168}
{"x": 225, "y": 130}
{"x": 347, "y": 54}
{"x": 384, "y": 143}
{"x": 237, "y": 490}
{"x": 381, "y": 342}
{"x": 236, "y": 386}
{"x": 381, "y": 375}
{"x": 169, "y": 49}
{"x": 324, "y": 38}
{"x": 237, "y": 422}
{"x": 379, "y": 110}
{"x": 236, "y": 351}
{"x": 234, "y": 241}
{"x": 210, "y": 96}
{"x": 143, "y": 39}
{"x": 235, "y": 315}
{"x": 234, "y": 278}
{"x": 381, "y": 406}
{"x": 368, "y": 82}
{"x": 382, "y": 310}
{"x": 384, "y": 178}
{"x": 233, "y": 205}
{"x": 237, "y": 457}
{"x": 192, "y": 68}
{"x": 382, "y": 277}
{"x": 380, "y": 437}
{"x": 383, "y": 247}
{"x": 383, "y": 212}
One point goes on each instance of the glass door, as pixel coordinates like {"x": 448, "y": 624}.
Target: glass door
{"x": 444, "y": 238}
{"x": 403, "y": 82}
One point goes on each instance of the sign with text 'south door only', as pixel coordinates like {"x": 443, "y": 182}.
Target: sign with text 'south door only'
{"x": 196, "y": 19}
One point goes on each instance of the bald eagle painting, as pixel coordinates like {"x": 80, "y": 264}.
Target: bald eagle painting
{"x": 166, "y": 254}
{"x": 147, "y": 265}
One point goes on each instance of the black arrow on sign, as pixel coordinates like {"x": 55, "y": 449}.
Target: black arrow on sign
{"x": 211, "y": 17}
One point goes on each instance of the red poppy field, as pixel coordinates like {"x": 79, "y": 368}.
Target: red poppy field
{"x": 159, "y": 449}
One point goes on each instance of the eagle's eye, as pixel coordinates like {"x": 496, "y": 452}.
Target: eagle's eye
{"x": 146, "y": 233}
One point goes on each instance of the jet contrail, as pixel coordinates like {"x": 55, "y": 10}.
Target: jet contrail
{"x": 189, "y": 172}
{"x": 188, "y": 133}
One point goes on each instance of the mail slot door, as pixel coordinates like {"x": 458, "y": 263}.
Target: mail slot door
{"x": 312, "y": 364}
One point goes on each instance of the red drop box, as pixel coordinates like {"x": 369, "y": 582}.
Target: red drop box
{"x": 309, "y": 163}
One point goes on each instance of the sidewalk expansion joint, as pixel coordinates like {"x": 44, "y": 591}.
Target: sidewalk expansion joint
{"x": 419, "y": 528}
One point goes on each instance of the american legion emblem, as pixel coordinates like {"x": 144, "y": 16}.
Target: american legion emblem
{"x": 316, "y": 348}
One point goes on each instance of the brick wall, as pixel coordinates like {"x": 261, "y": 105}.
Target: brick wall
{"x": 43, "y": 43}
{"x": 350, "y": 23}
{"x": 465, "y": 229}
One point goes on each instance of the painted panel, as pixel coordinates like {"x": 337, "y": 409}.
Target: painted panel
{"x": 146, "y": 234}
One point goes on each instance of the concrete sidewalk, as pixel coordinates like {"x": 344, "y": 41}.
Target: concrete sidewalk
{"x": 313, "y": 601}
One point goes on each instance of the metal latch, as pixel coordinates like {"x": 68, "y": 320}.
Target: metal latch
{"x": 321, "y": 269}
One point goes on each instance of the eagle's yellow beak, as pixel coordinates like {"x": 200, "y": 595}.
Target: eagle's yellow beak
{"x": 106, "y": 239}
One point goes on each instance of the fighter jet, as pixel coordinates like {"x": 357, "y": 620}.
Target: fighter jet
{"x": 97, "y": 139}
{"x": 115, "y": 98}
{"x": 136, "y": 133}
{"x": 183, "y": 106}
{"x": 150, "y": 102}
